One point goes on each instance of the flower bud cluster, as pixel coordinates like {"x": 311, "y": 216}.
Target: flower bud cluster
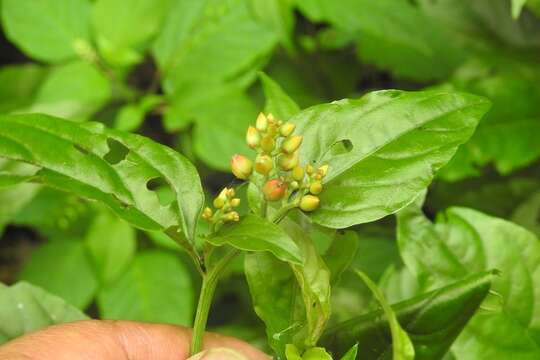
{"x": 224, "y": 204}
{"x": 309, "y": 180}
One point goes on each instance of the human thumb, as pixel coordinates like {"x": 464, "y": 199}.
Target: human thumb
{"x": 218, "y": 354}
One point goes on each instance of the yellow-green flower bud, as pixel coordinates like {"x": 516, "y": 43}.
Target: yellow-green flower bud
{"x": 271, "y": 118}
{"x": 232, "y": 216}
{"x": 294, "y": 185}
{"x": 262, "y": 122}
{"x": 309, "y": 202}
{"x": 264, "y": 164}
{"x": 230, "y": 193}
{"x": 274, "y": 189}
{"x": 309, "y": 169}
{"x": 219, "y": 202}
{"x": 298, "y": 173}
{"x": 288, "y": 161}
{"x": 235, "y": 202}
{"x": 267, "y": 143}
{"x": 207, "y": 213}
{"x": 315, "y": 188}
{"x": 291, "y": 144}
{"x": 287, "y": 129}
{"x": 241, "y": 166}
{"x": 272, "y": 130}
{"x": 253, "y": 138}
{"x": 323, "y": 170}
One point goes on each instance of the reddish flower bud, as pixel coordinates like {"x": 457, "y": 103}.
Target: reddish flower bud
{"x": 241, "y": 166}
{"x": 287, "y": 129}
{"x": 262, "y": 122}
{"x": 264, "y": 164}
{"x": 253, "y": 138}
{"x": 291, "y": 144}
{"x": 288, "y": 161}
{"x": 309, "y": 202}
{"x": 274, "y": 189}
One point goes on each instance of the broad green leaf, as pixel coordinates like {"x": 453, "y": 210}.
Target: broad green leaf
{"x": 131, "y": 116}
{"x": 112, "y": 244}
{"x": 432, "y": 321}
{"x": 25, "y": 308}
{"x": 464, "y": 241}
{"x": 402, "y": 348}
{"x": 47, "y": 30}
{"x": 155, "y": 287}
{"x": 279, "y": 15}
{"x": 123, "y": 29}
{"x": 517, "y": 6}
{"x": 527, "y": 214}
{"x": 341, "y": 253}
{"x": 18, "y": 85}
{"x": 74, "y": 90}
{"x": 63, "y": 267}
{"x": 316, "y": 353}
{"x": 383, "y": 149}
{"x": 393, "y": 35}
{"x": 109, "y": 166}
{"x": 253, "y": 233}
{"x": 278, "y": 103}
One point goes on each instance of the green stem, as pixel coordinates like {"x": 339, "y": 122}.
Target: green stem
{"x": 280, "y": 214}
{"x": 209, "y": 283}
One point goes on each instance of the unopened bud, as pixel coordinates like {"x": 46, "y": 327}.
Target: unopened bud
{"x": 271, "y": 118}
{"x": 298, "y": 173}
{"x": 287, "y": 129}
{"x": 323, "y": 170}
{"x": 230, "y": 193}
{"x": 272, "y": 130}
{"x": 291, "y": 144}
{"x": 207, "y": 213}
{"x": 309, "y": 202}
{"x": 253, "y": 138}
{"x": 241, "y": 166}
{"x": 262, "y": 122}
{"x": 315, "y": 188}
{"x": 232, "y": 216}
{"x": 294, "y": 185}
{"x": 219, "y": 202}
{"x": 274, "y": 189}
{"x": 288, "y": 161}
{"x": 264, "y": 164}
{"x": 235, "y": 202}
{"x": 309, "y": 169}
{"x": 267, "y": 143}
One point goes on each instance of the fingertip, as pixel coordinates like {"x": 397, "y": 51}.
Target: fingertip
{"x": 219, "y": 354}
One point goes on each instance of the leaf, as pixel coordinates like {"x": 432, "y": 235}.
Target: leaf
{"x": 18, "y": 85}
{"x": 351, "y": 354}
{"x": 123, "y": 29}
{"x": 527, "y": 214}
{"x": 341, "y": 253}
{"x": 402, "y": 347}
{"x": 393, "y": 35}
{"x": 131, "y": 116}
{"x": 253, "y": 233}
{"x": 74, "y": 90}
{"x": 47, "y": 30}
{"x": 278, "y": 103}
{"x": 383, "y": 148}
{"x": 432, "y": 320}
{"x": 517, "y": 6}
{"x": 112, "y": 244}
{"x": 278, "y": 15}
{"x": 62, "y": 267}
{"x": 155, "y": 287}
{"x": 109, "y": 166}
{"x": 464, "y": 241}
{"x": 25, "y": 308}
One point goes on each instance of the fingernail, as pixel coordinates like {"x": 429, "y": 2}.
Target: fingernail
{"x": 218, "y": 354}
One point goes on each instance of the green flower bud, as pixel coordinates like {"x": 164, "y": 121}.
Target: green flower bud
{"x": 323, "y": 170}
{"x": 264, "y": 164}
{"x": 294, "y": 185}
{"x": 253, "y": 138}
{"x": 272, "y": 130}
{"x": 274, "y": 189}
{"x": 298, "y": 173}
{"x": 267, "y": 144}
{"x": 315, "y": 188}
{"x": 288, "y": 161}
{"x": 235, "y": 202}
{"x": 219, "y": 202}
{"x": 287, "y": 129}
{"x": 309, "y": 169}
{"x": 241, "y": 166}
{"x": 309, "y": 202}
{"x": 230, "y": 193}
{"x": 262, "y": 122}
{"x": 231, "y": 216}
{"x": 207, "y": 213}
{"x": 291, "y": 144}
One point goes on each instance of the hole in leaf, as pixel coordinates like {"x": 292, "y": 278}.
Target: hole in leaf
{"x": 81, "y": 149}
{"x": 341, "y": 147}
{"x": 162, "y": 190}
{"x": 117, "y": 152}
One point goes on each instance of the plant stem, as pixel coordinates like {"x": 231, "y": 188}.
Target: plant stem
{"x": 280, "y": 214}
{"x": 209, "y": 283}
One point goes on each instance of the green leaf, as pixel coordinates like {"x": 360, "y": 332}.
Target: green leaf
{"x": 277, "y": 101}
{"x": 316, "y": 353}
{"x": 432, "y": 320}
{"x": 18, "y": 85}
{"x": 517, "y": 6}
{"x": 279, "y": 15}
{"x": 527, "y": 214}
{"x": 74, "y": 90}
{"x": 112, "y": 244}
{"x": 465, "y": 241}
{"x": 341, "y": 253}
{"x": 253, "y": 233}
{"x": 47, "y": 30}
{"x": 109, "y": 166}
{"x": 383, "y": 149}
{"x": 155, "y": 287}
{"x": 351, "y": 354}
{"x": 131, "y": 116}
{"x": 402, "y": 348}
{"x": 123, "y": 29}
{"x": 25, "y": 308}
{"x": 63, "y": 267}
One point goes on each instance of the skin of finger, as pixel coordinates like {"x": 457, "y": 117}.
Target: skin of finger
{"x": 219, "y": 354}
{"x": 118, "y": 340}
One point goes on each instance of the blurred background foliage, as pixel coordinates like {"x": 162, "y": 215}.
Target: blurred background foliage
{"x": 186, "y": 73}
